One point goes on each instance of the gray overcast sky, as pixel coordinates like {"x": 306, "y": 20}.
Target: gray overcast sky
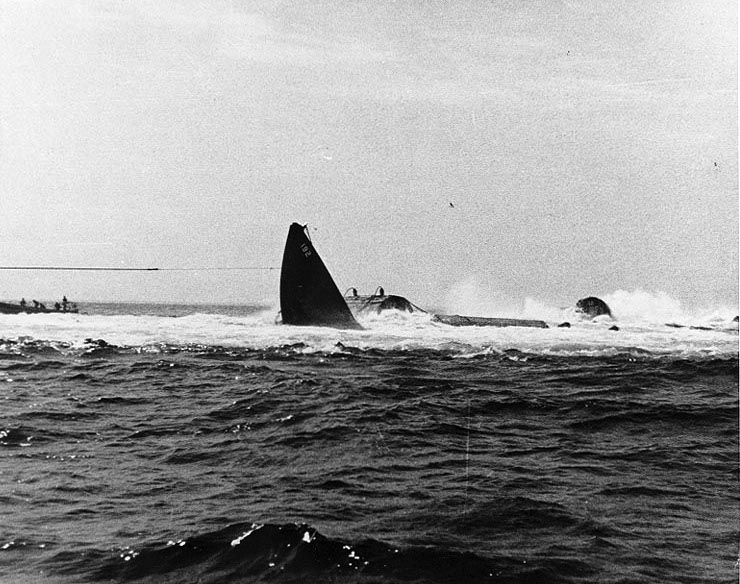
{"x": 587, "y": 146}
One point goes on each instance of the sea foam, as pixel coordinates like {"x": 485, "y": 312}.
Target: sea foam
{"x": 396, "y": 331}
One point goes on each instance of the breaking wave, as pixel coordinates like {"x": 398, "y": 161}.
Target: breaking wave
{"x": 255, "y": 329}
{"x": 628, "y": 307}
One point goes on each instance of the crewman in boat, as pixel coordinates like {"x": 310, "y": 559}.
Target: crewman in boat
{"x": 64, "y": 303}
{"x": 23, "y": 302}
{"x": 57, "y": 306}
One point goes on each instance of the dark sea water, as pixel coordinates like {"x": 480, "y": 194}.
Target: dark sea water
{"x": 207, "y": 444}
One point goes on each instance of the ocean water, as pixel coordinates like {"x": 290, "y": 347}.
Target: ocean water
{"x": 153, "y": 443}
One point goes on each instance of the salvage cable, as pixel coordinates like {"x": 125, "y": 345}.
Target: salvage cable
{"x": 107, "y": 269}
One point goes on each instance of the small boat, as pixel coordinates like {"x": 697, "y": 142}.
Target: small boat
{"x": 9, "y": 308}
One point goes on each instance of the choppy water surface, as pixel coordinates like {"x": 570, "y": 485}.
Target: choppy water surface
{"x": 173, "y": 444}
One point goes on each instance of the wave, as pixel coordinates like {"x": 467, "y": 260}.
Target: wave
{"x": 299, "y": 553}
{"x": 659, "y": 307}
{"x": 636, "y": 307}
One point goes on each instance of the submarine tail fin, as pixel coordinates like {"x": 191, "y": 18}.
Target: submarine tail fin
{"x": 308, "y": 294}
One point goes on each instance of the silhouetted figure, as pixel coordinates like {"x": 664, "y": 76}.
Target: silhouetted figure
{"x": 23, "y": 302}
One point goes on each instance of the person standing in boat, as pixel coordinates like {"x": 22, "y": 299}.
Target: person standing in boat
{"x": 64, "y": 303}
{"x": 23, "y": 302}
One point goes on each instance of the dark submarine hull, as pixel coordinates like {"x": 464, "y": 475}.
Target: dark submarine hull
{"x": 309, "y": 296}
{"x": 380, "y": 302}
